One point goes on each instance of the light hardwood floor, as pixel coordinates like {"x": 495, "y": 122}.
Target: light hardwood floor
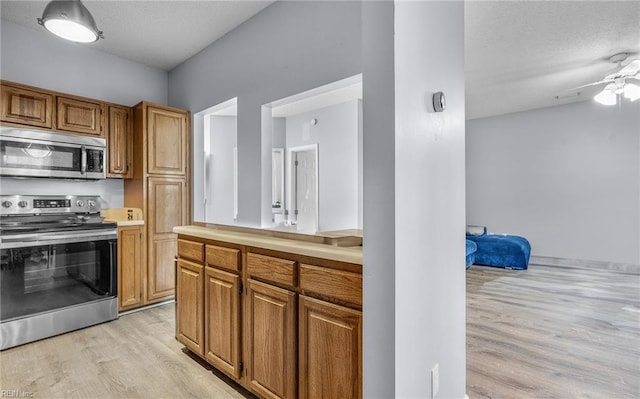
{"x": 135, "y": 356}
{"x": 553, "y": 332}
{"x": 548, "y": 332}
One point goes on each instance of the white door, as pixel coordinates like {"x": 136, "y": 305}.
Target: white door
{"x": 306, "y": 198}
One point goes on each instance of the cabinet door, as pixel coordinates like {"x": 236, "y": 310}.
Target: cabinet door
{"x": 120, "y": 137}
{"x": 222, "y": 320}
{"x": 27, "y": 107}
{"x": 189, "y": 305}
{"x": 129, "y": 261}
{"x": 330, "y": 350}
{"x": 166, "y": 208}
{"x": 167, "y": 142}
{"x": 79, "y": 116}
{"x": 271, "y": 341}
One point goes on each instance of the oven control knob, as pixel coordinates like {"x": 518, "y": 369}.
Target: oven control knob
{"x": 79, "y": 203}
{"x": 7, "y": 204}
{"x": 91, "y": 203}
{"x": 23, "y": 204}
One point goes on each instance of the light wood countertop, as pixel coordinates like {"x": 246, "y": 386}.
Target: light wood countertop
{"x": 317, "y": 250}
{"x": 122, "y": 223}
{"x": 123, "y": 216}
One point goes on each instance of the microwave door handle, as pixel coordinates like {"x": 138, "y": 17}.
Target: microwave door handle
{"x": 83, "y": 167}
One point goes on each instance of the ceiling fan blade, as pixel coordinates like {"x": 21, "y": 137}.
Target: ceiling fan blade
{"x": 606, "y": 80}
{"x": 631, "y": 68}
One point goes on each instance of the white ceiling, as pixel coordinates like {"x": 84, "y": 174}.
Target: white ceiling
{"x": 519, "y": 55}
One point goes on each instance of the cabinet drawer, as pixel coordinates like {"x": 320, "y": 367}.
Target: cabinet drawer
{"x": 338, "y": 284}
{"x": 225, "y": 258}
{"x": 191, "y": 250}
{"x": 271, "y": 269}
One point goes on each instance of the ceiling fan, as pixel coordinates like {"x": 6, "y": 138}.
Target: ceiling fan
{"x": 625, "y": 82}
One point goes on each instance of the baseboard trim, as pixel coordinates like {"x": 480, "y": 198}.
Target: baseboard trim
{"x": 595, "y": 264}
{"x": 153, "y": 305}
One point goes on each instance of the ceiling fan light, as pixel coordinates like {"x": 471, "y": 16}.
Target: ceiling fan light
{"x": 70, "y": 20}
{"x": 606, "y": 97}
{"x": 631, "y": 91}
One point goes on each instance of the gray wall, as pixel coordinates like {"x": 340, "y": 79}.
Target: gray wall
{"x": 337, "y": 137}
{"x": 565, "y": 177}
{"x": 37, "y": 58}
{"x": 378, "y": 272}
{"x": 287, "y": 48}
{"x": 430, "y": 199}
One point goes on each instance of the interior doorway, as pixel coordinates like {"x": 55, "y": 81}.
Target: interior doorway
{"x": 303, "y": 169}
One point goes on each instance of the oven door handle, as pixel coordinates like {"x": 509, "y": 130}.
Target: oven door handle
{"x": 37, "y": 239}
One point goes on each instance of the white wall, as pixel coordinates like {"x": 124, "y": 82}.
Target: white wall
{"x": 287, "y": 48}
{"x": 430, "y": 199}
{"x": 336, "y": 134}
{"x": 565, "y": 177}
{"x": 37, "y": 58}
{"x": 220, "y": 207}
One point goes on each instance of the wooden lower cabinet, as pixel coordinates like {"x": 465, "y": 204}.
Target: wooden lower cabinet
{"x": 189, "y": 305}
{"x": 329, "y": 350}
{"x": 270, "y": 340}
{"x": 279, "y": 324}
{"x": 222, "y": 320}
{"x": 130, "y": 254}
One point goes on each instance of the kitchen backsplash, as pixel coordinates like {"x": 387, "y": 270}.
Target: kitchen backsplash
{"x": 111, "y": 190}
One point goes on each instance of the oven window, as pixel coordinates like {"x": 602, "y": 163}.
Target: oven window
{"x": 39, "y": 156}
{"x": 43, "y": 278}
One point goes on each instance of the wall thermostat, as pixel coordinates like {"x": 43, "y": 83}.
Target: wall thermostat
{"x": 439, "y": 104}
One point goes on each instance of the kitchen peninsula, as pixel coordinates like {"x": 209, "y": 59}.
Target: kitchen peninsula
{"x": 278, "y": 312}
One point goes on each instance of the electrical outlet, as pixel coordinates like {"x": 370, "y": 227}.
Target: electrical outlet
{"x": 435, "y": 381}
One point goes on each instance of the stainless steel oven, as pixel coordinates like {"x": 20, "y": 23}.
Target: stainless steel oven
{"x": 57, "y": 267}
{"x": 38, "y": 153}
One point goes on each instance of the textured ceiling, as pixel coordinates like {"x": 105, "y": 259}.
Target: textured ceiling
{"x": 519, "y": 55}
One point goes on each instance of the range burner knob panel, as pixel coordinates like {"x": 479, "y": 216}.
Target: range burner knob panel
{"x": 7, "y": 204}
{"x": 80, "y": 203}
{"x": 91, "y": 203}
{"x": 23, "y": 204}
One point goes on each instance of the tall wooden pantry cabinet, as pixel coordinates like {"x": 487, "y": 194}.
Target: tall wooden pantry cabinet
{"x": 160, "y": 187}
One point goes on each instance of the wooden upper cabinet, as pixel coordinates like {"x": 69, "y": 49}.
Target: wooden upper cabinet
{"x": 167, "y": 141}
{"x": 26, "y": 107}
{"x": 80, "y": 116}
{"x": 120, "y": 142}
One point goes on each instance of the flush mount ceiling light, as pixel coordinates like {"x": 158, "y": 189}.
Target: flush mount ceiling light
{"x": 70, "y": 20}
{"x": 624, "y": 83}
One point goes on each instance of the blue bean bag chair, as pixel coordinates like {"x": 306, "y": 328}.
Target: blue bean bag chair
{"x": 471, "y": 253}
{"x": 500, "y": 250}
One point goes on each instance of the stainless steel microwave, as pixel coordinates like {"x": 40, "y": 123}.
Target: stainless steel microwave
{"x": 39, "y": 153}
